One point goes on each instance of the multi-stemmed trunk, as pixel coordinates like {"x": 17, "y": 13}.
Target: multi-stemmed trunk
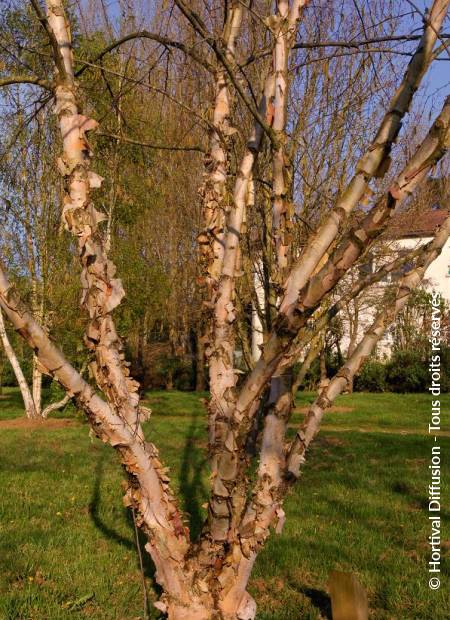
{"x": 208, "y": 579}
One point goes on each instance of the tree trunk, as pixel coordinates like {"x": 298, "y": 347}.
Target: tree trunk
{"x": 314, "y": 350}
{"x": 169, "y": 380}
{"x": 28, "y": 402}
{"x": 55, "y": 406}
{"x": 199, "y": 360}
{"x": 323, "y": 369}
{"x": 37, "y": 386}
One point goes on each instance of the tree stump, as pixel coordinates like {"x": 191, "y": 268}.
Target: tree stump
{"x": 348, "y": 597}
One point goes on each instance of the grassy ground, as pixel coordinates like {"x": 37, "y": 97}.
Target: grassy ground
{"x": 67, "y": 544}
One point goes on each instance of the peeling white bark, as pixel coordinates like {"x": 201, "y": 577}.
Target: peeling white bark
{"x": 118, "y": 421}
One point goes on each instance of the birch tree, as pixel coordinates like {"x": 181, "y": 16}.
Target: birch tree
{"x": 28, "y": 402}
{"x": 208, "y": 577}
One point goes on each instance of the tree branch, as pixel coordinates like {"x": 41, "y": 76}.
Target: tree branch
{"x": 410, "y": 280}
{"x": 221, "y": 56}
{"x": 361, "y": 237}
{"x": 58, "y": 54}
{"x": 343, "y": 44}
{"x": 374, "y": 163}
{"x": 145, "y": 34}
{"x": 25, "y": 79}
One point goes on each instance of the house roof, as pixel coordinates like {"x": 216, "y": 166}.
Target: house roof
{"x": 417, "y": 224}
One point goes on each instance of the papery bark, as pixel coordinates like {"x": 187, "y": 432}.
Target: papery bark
{"x": 266, "y": 504}
{"x": 223, "y": 444}
{"x": 279, "y": 344}
{"x": 280, "y": 464}
{"x": 215, "y": 207}
{"x": 102, "y": 292}
{"x": 430, "y": 151}
{"x": 118, "y": 422}
{"x": 149, "y": 491}
{"x": 209, "y": 579}
{"x": 230, "y": 461}
{"x": 284, "y": 26}
{"x": 227, "y": 500}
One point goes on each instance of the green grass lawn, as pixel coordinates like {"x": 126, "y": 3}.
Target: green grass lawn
{"x": 384, "y": 411}
{"x": 67, "y": 544}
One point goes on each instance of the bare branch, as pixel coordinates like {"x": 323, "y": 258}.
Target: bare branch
{"x": 145, "y": 34}
{"x": 25, "y": 79}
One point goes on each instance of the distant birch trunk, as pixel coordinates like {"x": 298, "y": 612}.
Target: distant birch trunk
{"x": 37, "y": 385}
{"x": 28, "y": 402}
{"x": 38, "y": 312}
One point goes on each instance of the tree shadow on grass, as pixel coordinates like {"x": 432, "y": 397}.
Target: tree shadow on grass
{"x": 319, "y": 599}
{"x": 192, "y": 466}
{"x": 192, "y": 490}
{"x": 113, "y": 535}
{"x": 415, "y": 499}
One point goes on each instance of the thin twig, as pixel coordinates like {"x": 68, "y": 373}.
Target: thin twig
{"x": 148, "y": 145}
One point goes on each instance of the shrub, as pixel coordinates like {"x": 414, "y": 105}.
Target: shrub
{"x": 407, "y": 371}
{"x": 8, "y": 377}
{"x": 445, "y": 369}
{"x": 372, "y": 377}
{"x": 173, "y": 373}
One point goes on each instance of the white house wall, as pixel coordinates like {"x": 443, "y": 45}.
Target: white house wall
{"x": 438, "y": 272}
{"x": 437, "y": 277}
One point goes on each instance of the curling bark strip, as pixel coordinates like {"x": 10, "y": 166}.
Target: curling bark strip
{"x": 149, "y": 490}
{"x": 227, "y": 501}
{"x": 118, "y": 423}
{"x": 209, "y": 579}
{"x": 289, "y": 322}
{"x": 102, "y": 292}
{"x": 215, "y": 203}
{"x": 223, "y": 448}
{"x": 280, "y": 342}
{"x": 229, "y": 460}
{"x": 229, "y": 484}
